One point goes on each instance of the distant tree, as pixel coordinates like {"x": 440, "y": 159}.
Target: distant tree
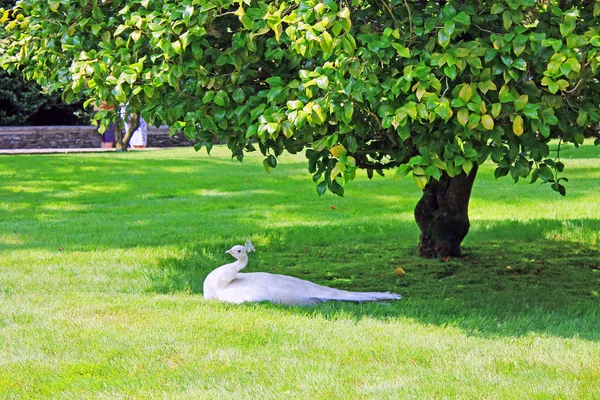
{"x": 431, "y": 89}
{"x": 24, "y": 103}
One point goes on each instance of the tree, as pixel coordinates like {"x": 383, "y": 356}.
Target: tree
{"x": 430, "y": 89}
{"x": 23, "y": 103}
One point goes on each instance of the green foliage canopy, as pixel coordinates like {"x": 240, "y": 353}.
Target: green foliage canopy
{"x": 430, "y": 87}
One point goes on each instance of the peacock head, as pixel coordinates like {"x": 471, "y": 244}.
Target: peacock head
{"x": 240, "y": 251}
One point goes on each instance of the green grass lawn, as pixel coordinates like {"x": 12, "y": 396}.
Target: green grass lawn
{"x": 102, "y": 259}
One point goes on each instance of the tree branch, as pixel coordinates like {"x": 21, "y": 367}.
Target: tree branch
{"x": 391, "y": 12}
{"x": 371, "y": 113}
{"x": 410, "y": 24}
{"x": 134, "y": 123}
{"x": 485, "y": 30}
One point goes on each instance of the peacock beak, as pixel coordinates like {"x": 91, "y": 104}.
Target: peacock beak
{"x": 228, "y": 252}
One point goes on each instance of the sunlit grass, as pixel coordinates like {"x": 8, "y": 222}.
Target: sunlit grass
{"x": 102, "y": 258}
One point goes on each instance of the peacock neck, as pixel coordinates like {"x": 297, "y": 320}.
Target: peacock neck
{"x": 240, "y": 264}
{"x": 221, "y": 277}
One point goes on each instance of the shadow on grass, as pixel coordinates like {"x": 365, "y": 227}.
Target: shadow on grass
{"x": 89, "y": 203}
{"x": 499, "y": 288}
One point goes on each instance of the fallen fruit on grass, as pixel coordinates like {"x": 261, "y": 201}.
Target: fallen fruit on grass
{"x": 399, "y": 271}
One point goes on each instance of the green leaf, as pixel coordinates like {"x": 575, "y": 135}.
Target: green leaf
{"x": 530, "y": 111}
{"x": 348, "y": 44}
{"x": 401, "y": 50}
{"x": 187, "y": 13}
{"x": 467, "y": 166}
{"x": 463, "y": 116}
{"x": 149, "y": 91}
{"x": 496, "y": 108}
{"x": 323, "y": 82}
{"x": 286, "y": 128}
{"x": 444, "y": 110}
{"x": 567, "y": 26}
{"x": 294, "y": 104}
{"x": 271, "y": 161}
{"x": 459, "y": 160}
{"x": 336, "y": 188}
{"x": 518, "y": 48}
{"x": 221, "y": 98}
{"x": 450, "y": 71}
{"x": 402, "y": 171}
{"x": 275, "y": 81}
{"x": 462, "y": 18}
{"x": 490, "y": 54}
{"x": 474, "y": 120}
{"x": 487, "y": 122}
{"x": 518, "y": 125}
{"x": 208, "y": 97}
{"x": 416, "y": 160}
{"x": 545, "y": 173}
{"x": 322, "y": 188}
{"x": 247, "y": 22}
{"x": 351, "y": 144}
{"x": 331, "y": 4}
{"x": 471, "y": 154}
{"x": 272, "y": 127}
{"x": 505, "y": 96}
{"x": 433, "y": 172}
{"x": 557, "y": 187}
{"x": 54, "y": 5}
{"x": 506, "y": 20}
{"x": 443, "y": 38}
{"x": 120, "y": 96}
{"x": 521, "y": 102}
{"x": 497, "y": 8}
{"x": 487, "y": 85}
{"x": 475, "y": 62}
{"x": 500, "y": 172}
{"x": 574, "y": 65}
{"x": 562, "y": 84}
{"x": 520, "y": 64}
{"x": 439, "y": 163}
{"x": 326, "y": 42}
{"x": 420, "y": 180}
{"x": 239, "y": 95}
{"x": 348, "y": 111}
{"x": 466, "y": 93}
{"x": 582, "y": 118}
{"x": 208, "y": 6}
{"x": 338, "y": 151}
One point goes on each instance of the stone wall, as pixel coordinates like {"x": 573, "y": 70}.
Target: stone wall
{"x": 75, "y": 137}
{"x": 159, "y": 137}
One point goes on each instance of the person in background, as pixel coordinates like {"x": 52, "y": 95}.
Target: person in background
{"x": 140, "y": 135}
{"x": 108, "y": 137}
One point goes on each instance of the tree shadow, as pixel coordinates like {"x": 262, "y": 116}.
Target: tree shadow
{"x": 356, "y": 244}
{"x": 499, "y": 288}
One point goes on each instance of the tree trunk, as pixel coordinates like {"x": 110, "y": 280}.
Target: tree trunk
{"x": 123, "y": 136}
{"x": 442, "y": 215}
{"x": 119, "y": 146}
